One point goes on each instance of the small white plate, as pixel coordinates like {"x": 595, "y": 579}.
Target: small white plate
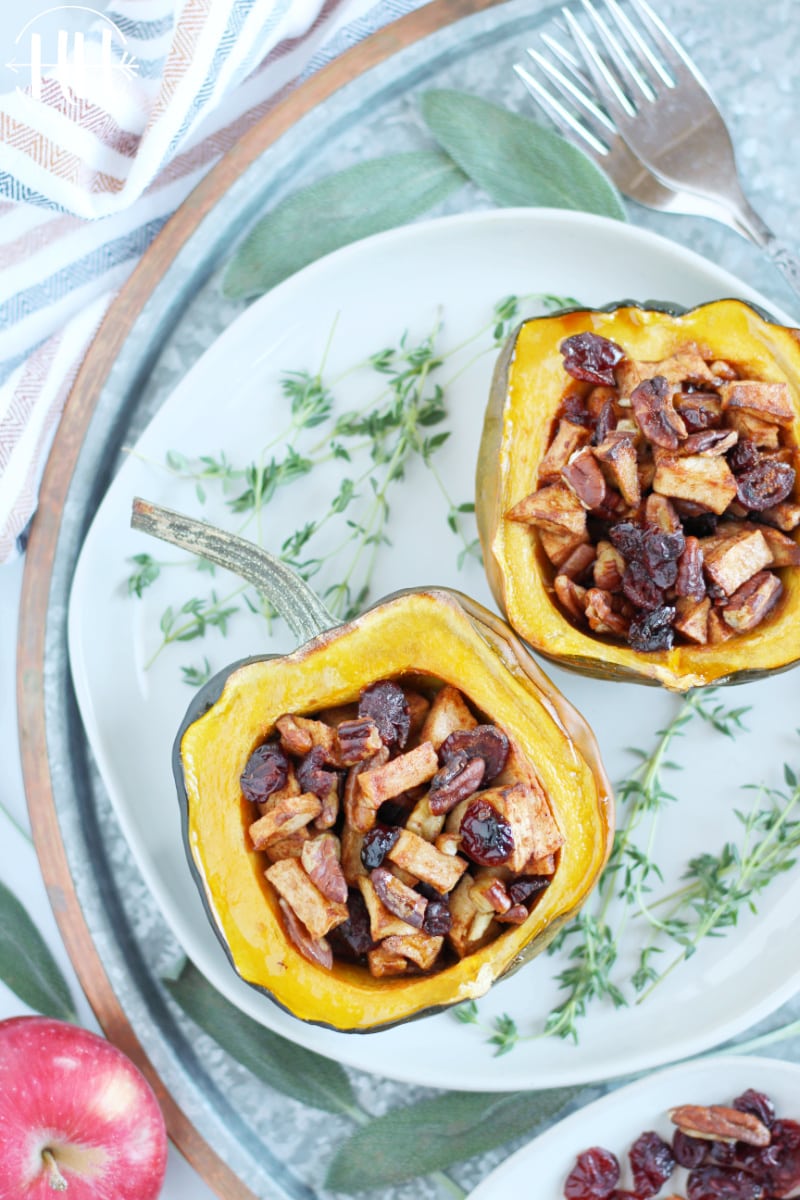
{"x": 230, "y": 402}
{"x": 616, "y": 1121}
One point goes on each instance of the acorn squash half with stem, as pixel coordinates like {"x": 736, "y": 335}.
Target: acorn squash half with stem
{"x": 431, "y": 637}
{"x": 527, "y": 393}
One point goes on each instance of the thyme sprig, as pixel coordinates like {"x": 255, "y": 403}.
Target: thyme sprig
{"x": 722, "y": 885}
{"x": 717, "y": 887}
{"x": 376, "y": 445}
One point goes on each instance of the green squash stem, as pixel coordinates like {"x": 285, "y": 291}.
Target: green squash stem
{"x": 297, "y": 603}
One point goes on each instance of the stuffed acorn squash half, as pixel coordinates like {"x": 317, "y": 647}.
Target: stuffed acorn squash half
{"x": 637, "y": 492}
{"x": 392, "y": 817}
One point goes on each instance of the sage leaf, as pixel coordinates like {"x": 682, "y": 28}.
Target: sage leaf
{"x": 290, "y": 1069}
{"x": 26, "y": 964}
{"x": 433, "y": 1134}
{"x": 516, "y": 160}
{"x": 364, "y": 199}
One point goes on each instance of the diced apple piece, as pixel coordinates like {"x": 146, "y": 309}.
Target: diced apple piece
{"x": 470, "y": 928}
{"x": 317, "y": 913}
{"x": 692, "y": 618}
{"x": 707, "y": 481}
{"x": 619, "y": 461}
{"x": 414, "y": 854}
{"x": 785, "y": 516}
{"x": 383, "y": 783}
{"x": 422, "y": 948}
{"x": 736, "y": 559}
{"x": 559, "y": 547}
{"x": 766, "y": 435}
{"x": 286, "y": 817}
{"x": 785, "y": 551}
{"x": 553, "y": 507}
{"x": 568, "y": 438}
{"x": 768, "y": 401}
{"x": 526, "y": 809}
{"x": 448, "y": 713}
{"x": 383, "y": 963}
{"x": 749, "y": 605}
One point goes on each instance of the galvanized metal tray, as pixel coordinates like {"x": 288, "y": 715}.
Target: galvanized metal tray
{"x": 245, "y": 1140}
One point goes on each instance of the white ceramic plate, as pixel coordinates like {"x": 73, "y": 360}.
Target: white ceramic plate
{"x": 617, "y": 1120}
{"x": 231, "y": 401}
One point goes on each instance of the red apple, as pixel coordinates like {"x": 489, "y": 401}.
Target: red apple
{"x": 76, "y": 1116}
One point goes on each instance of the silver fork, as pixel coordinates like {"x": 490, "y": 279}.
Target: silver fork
{"x": 598, "y": 137}
{"x": 662, "y": 112}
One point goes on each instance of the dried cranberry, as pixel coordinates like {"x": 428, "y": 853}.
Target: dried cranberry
{"x": 660, "y": 547}
{"x": 743, "y": 456}
{"x": 653, "y": 630}
{"x": 664, "y": 574}
{"x": 313, "y": 776}
{"x": 377, "y": 844}
{"x": 437, "y": 920}
{"x": 394, "y": 812}
{"x": 352, "y": 938}
{"x": 699, "y": 413}
{"x": 651, "y": 1163}
{"x": 594, "y": 1176}
{"x": 484, "y": 741}
{"x": 758, "y": 1105}
{"x": 606, "y": 421}
{"x": 767, "y": 483}
{"x": 628, "y": 539}
{"x": 486, "y": 836}
{"x": 386, "y": 704}
{"x": 266, "y": 772}
{"x": 526, "y": 886}
{"x": 459, "y": 778}
{"x": 688, "y": 1151}
{"x": 640, "y": 588}
{"x": 721, "y": 1154}
{"x": 723, "y": 1183}
{"x": 701, "y": 525}
{"x": 592, "y": 358}
{"x": 777, "y": 1166}
{"x": 574, "y": 410}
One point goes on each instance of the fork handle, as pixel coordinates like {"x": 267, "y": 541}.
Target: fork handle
{"x": 786, "y": 261}
{"x": 750, "y": 224}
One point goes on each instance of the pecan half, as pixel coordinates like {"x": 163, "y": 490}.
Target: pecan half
{"x": 320, "y": 857}
{"x": 403, "y": 901}
{"x": 316, "y": 950}
{"x": 717, "y": 1123}
{"x": 655, "y": 414}
{"x": 459, "y": 777}
{"x": 358, "y": 739}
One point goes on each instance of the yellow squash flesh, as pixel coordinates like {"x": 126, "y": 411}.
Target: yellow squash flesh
{"x": 435, "y": 635}
{"x": 528, "y": 387}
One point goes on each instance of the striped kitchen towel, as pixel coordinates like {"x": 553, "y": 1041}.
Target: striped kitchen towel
{"x": 116, "y": 116}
